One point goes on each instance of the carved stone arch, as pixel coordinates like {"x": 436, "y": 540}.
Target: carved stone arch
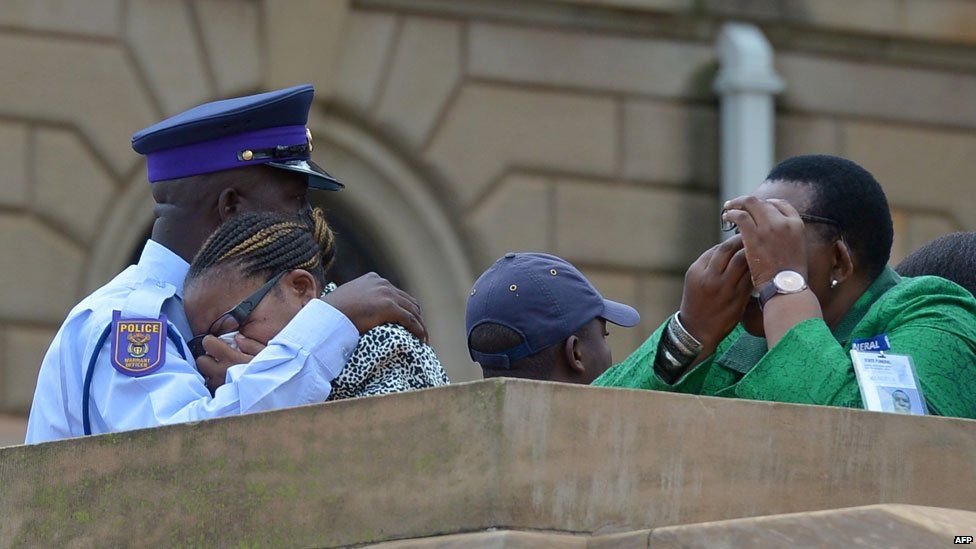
{"x": 384, "y": 195}
{"x": 127, "y": 219}
{"x": 391, "y": 200}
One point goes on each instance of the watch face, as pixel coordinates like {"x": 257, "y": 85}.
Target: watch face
{"x": 789, "y": 281}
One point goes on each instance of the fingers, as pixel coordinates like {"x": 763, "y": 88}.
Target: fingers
{"x": 744, "y": 286}
{"x": 738, "y": 266}
{"x": 784, "y": 207}
{"x": 414, "y": 303}
{"x": 702, "y": 262}
{"x": 414, "y": 326}
{"x": 411, "y": 313}
{"x": 724, "y": 252}
{"x": 742, "y": 219}
{"x": 224, "y": 353}
{"x": 214, "y": 373}
{"x": 758, "y": 209}
{"x": 248, "y": 346}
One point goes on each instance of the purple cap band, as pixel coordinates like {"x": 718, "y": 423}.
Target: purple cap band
{"x": 221, "y": 154}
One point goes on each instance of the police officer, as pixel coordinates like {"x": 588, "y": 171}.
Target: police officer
{"x": 120, "y": 361}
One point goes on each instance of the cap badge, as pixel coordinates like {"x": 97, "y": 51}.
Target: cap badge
{"x": 247, "y": 155}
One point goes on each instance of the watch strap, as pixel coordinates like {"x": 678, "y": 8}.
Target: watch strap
{"x": 766, "y": 293}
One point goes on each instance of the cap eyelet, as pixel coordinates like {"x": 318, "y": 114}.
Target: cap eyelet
{"x": 474, "y": 291}
{"x": 512, "y": 288}
{"x": 553, "y": 272}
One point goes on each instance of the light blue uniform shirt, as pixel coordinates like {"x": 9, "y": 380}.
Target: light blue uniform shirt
{"x": 295, "y": 368}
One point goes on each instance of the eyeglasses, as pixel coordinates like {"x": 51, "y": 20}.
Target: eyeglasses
{"x": 233, "y": 319}
{"x": 728, "y": 226}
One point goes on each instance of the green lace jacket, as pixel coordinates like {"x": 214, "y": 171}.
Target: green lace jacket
{"x": 928, "y": 318}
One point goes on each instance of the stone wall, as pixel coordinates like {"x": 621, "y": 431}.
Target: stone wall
{"x": 582, "y": 127}
{"x": 506, "y": 454}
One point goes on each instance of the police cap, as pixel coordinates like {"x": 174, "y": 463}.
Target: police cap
{"x": 267, "y": 128}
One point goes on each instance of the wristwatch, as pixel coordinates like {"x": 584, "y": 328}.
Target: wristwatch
{"x": 785, "y": 282}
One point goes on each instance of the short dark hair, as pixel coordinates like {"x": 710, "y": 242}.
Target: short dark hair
{"x": 489, "y": 337}
{"x": 849, "y": 194}
{"x": 951, "y": 256}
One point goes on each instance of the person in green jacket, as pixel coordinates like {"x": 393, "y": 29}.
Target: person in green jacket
{"x": 771, "y": 313}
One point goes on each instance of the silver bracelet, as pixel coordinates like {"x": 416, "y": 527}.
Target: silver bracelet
{"x": 682, "y": 339}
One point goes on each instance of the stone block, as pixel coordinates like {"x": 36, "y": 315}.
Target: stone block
{"x": 587, "y": 60}
{"x": 622, "y": 287}
{"x": 13, "y": 429}
{"x": 13, "y": 158}
{"x": 501, "y": 453}
{"x": 304, "y": 38}
{"x": 627, "y": 226}
{"x": 648, "y": 5}
{"x": 910, "y": 163}
{"x": 832, "y": 85}
{"x": 660, "y": 297}
{"x": 491, "y": 128}
{"x": 501, "y": 539}
{"x": 866, "y": 16}
{"x": 670, "y": 143}
{"x": 231, "y": 34}
{"x": 949, "y": 20}
{"x": 70, "y": 188}
{"x": 92, "y": 17}
{"x": 363, "y": 58}
{"x": 638, "y": 539}
{"x": 41, "y": 281}
{"x": 23, "y": 350}
{"x": 924, "y": 228}
{"x": 161, "y": 37}
{"x": 426, "y": 68}
{"x": 798, "y": 134}
{"x": 105, "y": 101}
{"x": 899, "y": 245}
{"x": 900, "y": 526}
{"x": 515, "y": 217}
{"x": 515, "y": 539}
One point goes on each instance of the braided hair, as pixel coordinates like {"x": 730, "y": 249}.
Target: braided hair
{"x": 267, "y": 243}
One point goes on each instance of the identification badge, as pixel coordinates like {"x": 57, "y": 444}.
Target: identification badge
{"x": 888, "y": 382}
{"x": 138, "y": 344}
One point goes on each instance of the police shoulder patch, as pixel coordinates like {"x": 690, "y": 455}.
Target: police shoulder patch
{"x": 138, "y": 344}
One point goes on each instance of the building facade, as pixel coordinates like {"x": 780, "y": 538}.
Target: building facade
{"x": 465, "y": 129}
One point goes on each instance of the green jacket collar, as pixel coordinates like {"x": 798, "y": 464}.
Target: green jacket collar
{"x": 748, "y": 350}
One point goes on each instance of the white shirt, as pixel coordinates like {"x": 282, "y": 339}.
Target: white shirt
{"x": 295, "y": 368}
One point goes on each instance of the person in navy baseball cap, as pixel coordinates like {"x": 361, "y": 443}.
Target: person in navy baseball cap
{"x": 535, "y": 316}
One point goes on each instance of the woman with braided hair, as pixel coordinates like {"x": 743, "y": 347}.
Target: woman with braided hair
{"x": 257, "y": 271}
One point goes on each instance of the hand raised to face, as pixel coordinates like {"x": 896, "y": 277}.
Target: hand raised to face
{"x": 220, "y": 356}
{"x": 717, "y": 288}
{"x": 773, "y": 236}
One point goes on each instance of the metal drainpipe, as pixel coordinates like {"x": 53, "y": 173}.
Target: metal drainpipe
{"x": 746, "y": 82}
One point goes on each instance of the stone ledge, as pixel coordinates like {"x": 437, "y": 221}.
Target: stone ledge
{"x": 500, "y": 453}
{"x": 906, "y": 526}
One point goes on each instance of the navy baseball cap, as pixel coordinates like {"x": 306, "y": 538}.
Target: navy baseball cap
{"x": 267, "y": 128}
{"x": 541, "y": 297}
